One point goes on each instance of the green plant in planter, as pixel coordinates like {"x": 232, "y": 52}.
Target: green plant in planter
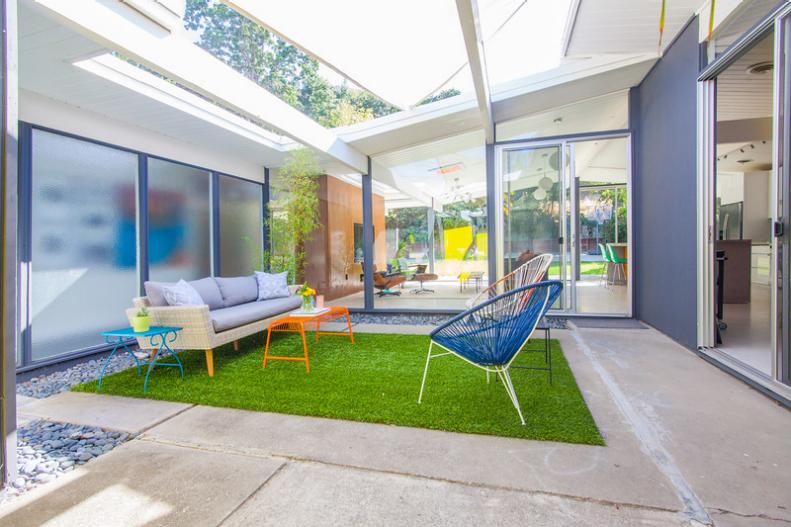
{"x": 141, "y": 322}
{"x": 298, "y": 184}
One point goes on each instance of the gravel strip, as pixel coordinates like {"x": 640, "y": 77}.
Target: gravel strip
{"x": 428, "y": 319}
{"x": 60, "y": 381}
{"x": 46, "y": 450}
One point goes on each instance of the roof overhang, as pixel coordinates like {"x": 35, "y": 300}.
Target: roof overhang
{"x": 573, "y": 81}
{"x": 125, "y": 30}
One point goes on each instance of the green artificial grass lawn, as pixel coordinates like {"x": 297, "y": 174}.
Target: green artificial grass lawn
{"x": 375, "y": 380}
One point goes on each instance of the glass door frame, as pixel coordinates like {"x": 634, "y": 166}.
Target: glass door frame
{"x": 778, "y": 21}
{"x": 569, "y": 192}
{"x": 500, "y": 153}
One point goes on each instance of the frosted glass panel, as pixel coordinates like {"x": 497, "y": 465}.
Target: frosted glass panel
{"x": 178, "y": 222}
{"x": 241, "y": 226}
{"x": 83, "y": 249}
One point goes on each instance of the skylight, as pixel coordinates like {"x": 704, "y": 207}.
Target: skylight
{"x": 522, "y": 37}
{"x": 401, "y": 51}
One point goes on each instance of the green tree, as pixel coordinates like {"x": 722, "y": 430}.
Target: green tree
{"x": 277, "y": 66}
{"x": 444, "y": 94}
{"x": 281, "y": 68}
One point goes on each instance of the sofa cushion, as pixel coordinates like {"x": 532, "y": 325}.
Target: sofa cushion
{"x": 272, "y": 285}
{"x": 239, "y": 315}
{"x": 182, "y": 294}
{"x": 209, "y": 291}
{"x": 238, "y": 290}
{"x": 155, "y": 293}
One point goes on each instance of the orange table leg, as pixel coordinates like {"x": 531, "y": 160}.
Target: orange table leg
{"x": 304, "y": 347}
{"x": 349, "y": 323}
{"x": 266, "y": 349}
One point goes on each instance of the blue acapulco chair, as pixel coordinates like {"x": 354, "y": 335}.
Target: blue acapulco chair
{"x": 491, "y": 334}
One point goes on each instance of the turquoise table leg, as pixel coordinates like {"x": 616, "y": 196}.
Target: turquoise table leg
{"x": 160, "y": 342}
{"x": 173, "y": 336}
{"x": 118, "y": 342}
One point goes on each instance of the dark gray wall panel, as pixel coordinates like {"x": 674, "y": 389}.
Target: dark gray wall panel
{"x": 664, "y": 110}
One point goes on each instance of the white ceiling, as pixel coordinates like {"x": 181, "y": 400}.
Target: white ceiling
{"x": 618, "y": 26}
{"x": 744, "y": 157}
{"x": 742, "y": 95}
{"x": 608, "y": 112}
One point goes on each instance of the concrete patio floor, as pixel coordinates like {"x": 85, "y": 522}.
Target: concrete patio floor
{"x": 686, "y": 444}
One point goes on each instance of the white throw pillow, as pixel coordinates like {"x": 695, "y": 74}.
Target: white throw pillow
{"x": 182, "y": 294}
{"x": 272, "y": 285}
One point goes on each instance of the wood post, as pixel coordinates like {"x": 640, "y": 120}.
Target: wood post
{"x": 236, "y": 345}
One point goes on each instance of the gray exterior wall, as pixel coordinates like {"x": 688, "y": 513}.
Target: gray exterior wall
{"x": 663, "y": 112}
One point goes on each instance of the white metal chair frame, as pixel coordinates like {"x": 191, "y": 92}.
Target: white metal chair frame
{"x": 501, "y": 370}
{"x": 528, "y": 273}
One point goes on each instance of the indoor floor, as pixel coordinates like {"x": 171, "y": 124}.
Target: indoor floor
{"x": 439, "y": 294}
{"x": 748, "y": 336}
{"x": 594, "y": 297}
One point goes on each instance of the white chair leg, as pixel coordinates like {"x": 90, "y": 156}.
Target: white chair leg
{"x": 425, "y": 372}
{"x": 509, "y": 388}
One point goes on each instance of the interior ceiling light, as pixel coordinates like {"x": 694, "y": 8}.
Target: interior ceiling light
{"x": 760, "y": 68}
{"x": 447, "y": 169}
{"x": 743, "y": 161}
{"x": 545, "y": 183}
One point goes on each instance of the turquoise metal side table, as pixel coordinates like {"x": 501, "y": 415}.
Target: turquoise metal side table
{"x": 158, "y": 337}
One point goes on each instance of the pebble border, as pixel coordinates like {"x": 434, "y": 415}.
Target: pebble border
{"x": 47, "y": 450}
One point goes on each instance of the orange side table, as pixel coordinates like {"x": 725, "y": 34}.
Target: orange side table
{"x": 296, "y": 324}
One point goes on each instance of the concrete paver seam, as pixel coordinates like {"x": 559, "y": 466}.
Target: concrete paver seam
{"x": 258, "y": 489}
{"x": 288, "y": 457}
{"x": 476, "y": 485}
{"x": 220, "y": 449}
{"x": 648, "y": 437}
{"x": 167, "y": 418}
{"x": 726, "y": 512}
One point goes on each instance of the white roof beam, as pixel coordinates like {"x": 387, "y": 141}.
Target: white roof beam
{"x": 118, "y": 27}
{"x": 473, "y": 40}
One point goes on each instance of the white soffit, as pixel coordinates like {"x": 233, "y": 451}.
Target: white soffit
{"x": 133, "y": 78}
{"x": 399, "y": 51}
{"x": 625, "y": 26}
{"x": 118, "y": 27}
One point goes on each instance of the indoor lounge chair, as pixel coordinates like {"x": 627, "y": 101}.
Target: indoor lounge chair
{"x": 386, "y": 282}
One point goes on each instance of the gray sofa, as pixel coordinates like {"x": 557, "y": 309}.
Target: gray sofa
{"x": 230, "y": 311}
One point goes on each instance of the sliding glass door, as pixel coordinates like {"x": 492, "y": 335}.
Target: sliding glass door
{"x": 534, "y": 201}
{"x": 570, "y": 198}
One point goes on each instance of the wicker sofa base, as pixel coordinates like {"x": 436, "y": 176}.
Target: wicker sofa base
{"x": 197, "y": 331}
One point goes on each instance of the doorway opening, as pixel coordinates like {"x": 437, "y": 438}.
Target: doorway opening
{"x": 744, "y": 202}
{"x": 571, "y": 199}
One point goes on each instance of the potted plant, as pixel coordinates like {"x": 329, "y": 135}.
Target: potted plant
{"x": 141, "y": 322}
{"x": 307, "y": 293}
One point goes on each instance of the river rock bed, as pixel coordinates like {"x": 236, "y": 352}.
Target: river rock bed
{"x": 47, "y": 450}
